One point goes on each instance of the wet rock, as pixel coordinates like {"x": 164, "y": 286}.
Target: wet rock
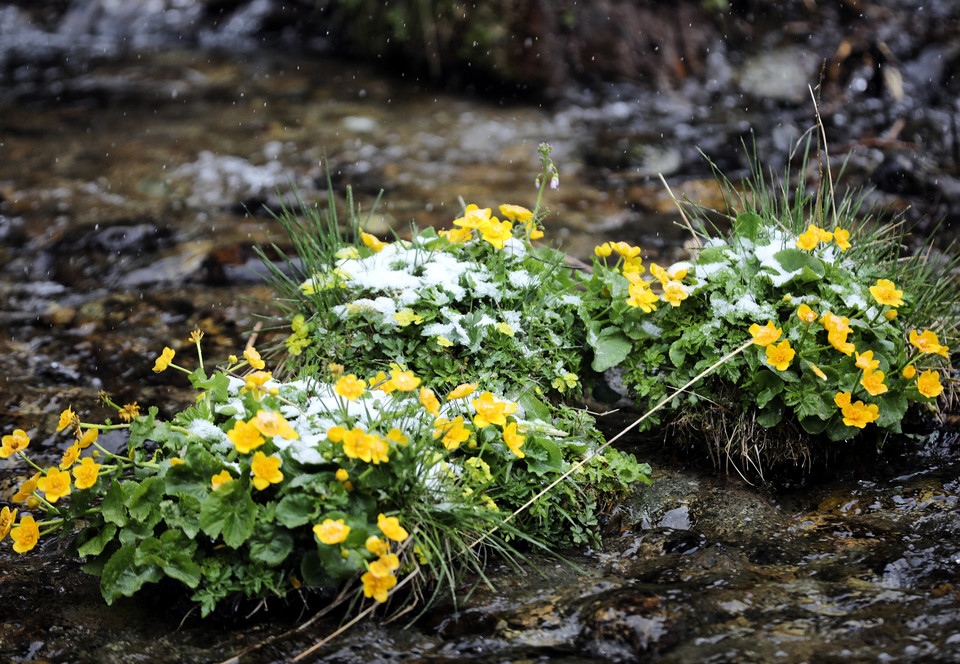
{"x": 781, "y": 74}
{"x": 232, "y": 182}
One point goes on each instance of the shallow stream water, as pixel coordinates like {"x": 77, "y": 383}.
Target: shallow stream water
{"x": 128, "y": 214}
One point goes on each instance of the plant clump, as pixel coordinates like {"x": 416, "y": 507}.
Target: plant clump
{"x": 846, "y": 333}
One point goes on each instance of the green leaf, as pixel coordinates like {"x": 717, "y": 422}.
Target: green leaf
{"x": 814, "y": 425}
{"x": 611, "y": 347}
{"x": 543, "y": 456}
{"x": 272, "y": 549}
{"x": 229, "y": 511}
{"x": 183, "y": 514}
{"x": 770, "y": 384}
{"x": 145, "y": 500}
{"x": 808, "y": 267}
{"x": 114, "y": 508}
{"x": 96, "y": 544}
{"x": 193, "y": 475}
{"x": 747, "y": 225}
{"x": 771, "y": 414}
{"x": 534, "y": 408}
{"x": 122, "y": 577}
{"x": 296, "y": 509}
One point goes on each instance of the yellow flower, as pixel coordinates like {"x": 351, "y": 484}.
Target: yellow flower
{"x": 809, "y": 239}
{"x": 336, "y": 434}
{"x": 516, "y": 213}
{"x": 13, "y": 443}
{"x": 766, "y": 335}
{"x": 345, "y": 253}
{"x": 382, "y": 383}
{"x": 806, "y": 314}
{"x": 166, "y": 357}
{"x": 221, "y": 478}
{"x": 462, "y": 390}
{"x": 7, "y": 519}
{"x": 834, "y": 323}
{"x": 331, "y": 532}
{"x": 929, "y": 384}
{"x": 67, "y": 418}
{"x": 129, "y": 411}
{"x": 70, "y": 456}
{"x": 255, "y": 383}
{"x": 195, "y": 337}
{"x": 443, "y": 342}
{"x": 350, "y": 387}
{"x": 473, "y": 217}
{"x": 265, "y": 469}
{"x": 860, "y": 415}
{"x": 176, "y": 461}
{"x": 504, "y": 328}
{"x": 632, "y": 266}
{"x": 379, "y": 449}
{"x": 398, "y": 436}
{"x": 245, "y": 437}
{"x": 55, "y": 484}
{"x": 513, "y": 440}
{"x": 26, "y": 489}
{"x": 909, "y": 371}
{"x": 659, "y": 273}
{"x": 885, "y": 292}
{"x": 404, "y": 381}
{"x": 377, "y": 587}
{"x": 390, "y": 526}
{"x": 372, "y": 241}
{"x": 927, "y": 342}
{"x": 603, "y": 250}
{"x": 491, "y": 410}
{"x": 842, "y": 399}
{"x": 253, "y": 357}
{"x": 866, "y": 361}
{"x": 780, "y": 355}
{"x": 625, "y": 250}
{"x": 817, "y": 371}
{"x": 842, "y": 238}
{"x": 457, "y": 235}
{"x": 407, "y": 316}
{"x": 839, "y": 341}
{"x": 86, "y": 473}
{"x": 872, "y": 382}
{"x": 385, "y": 565}
{"x": 376, "y": 546}
{"x": 674, "y": 292}
{"x": 496, "y": 232}
{"x": 451, "y": 432}
{"x": 271, "y": 424}
{"x": 25, "y": 535}
{"x": 890, "y": 314}
{"x": 640, "y": 295}
{"x": 87, "y": 438}
{"x": 356, "y": 444}
{"x": 342, "y": 475}
{"x": 429, "y": 401}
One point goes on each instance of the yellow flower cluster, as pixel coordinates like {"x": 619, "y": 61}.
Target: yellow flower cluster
{"x": 640, "y": 294}
{"x": 814, "y": 235}
{"x": 54, "y": 482}
{"x": 491, "y": 229}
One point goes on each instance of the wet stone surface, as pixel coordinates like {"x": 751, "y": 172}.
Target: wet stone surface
{"x": 124, "y": 225}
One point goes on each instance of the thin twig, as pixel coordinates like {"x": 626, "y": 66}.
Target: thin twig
{"x": 622, "y": 433}
{"x": 696, "y": 238}
{"x": 826, "y": 156}
{"x": 363, "y": 614}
